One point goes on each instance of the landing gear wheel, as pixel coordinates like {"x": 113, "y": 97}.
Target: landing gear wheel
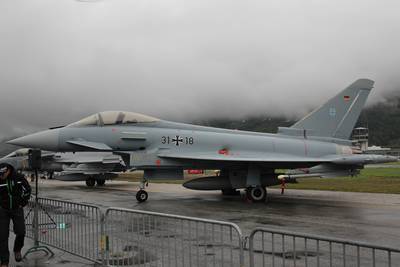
{"x": 141, "y": 196}
{"x": 90, "y": 182}
{"x": 256, "y": 194}
{"x": 100, "y": 182}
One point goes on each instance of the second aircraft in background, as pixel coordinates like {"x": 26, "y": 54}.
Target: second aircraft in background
{"x": 92, "y": 167}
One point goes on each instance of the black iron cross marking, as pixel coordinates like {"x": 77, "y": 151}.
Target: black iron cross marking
{"x": 177, "y": 140}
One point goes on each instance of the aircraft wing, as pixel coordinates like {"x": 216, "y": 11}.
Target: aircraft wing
{"x": 112, "y": 159}
{"x": 94, "y": 168}
{"x": 85, "y": 172}
{"x": 243, "y": 157}
{"x": 357, "y": 159}
{"x": 92, "y": 164}
{"x": 68, "y": 177}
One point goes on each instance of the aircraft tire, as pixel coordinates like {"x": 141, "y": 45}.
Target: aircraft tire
{"x": 257, "y": 194}
{"x": 141, "y": 196}
{"x": 100, "y": 182}
{"x": 90, "y": 182}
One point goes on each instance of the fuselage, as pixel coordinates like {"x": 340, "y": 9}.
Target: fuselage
{"x": 186, "y": 138}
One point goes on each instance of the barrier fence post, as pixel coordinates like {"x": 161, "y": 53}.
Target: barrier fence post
{"x": 241, "y": 250}
{"x": 102, "y": 248}
{"x": 103, "y": 238}
{"x": 35, "y": 225}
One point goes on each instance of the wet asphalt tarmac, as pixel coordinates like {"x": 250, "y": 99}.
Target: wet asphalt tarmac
{"x": 372, "y": 218}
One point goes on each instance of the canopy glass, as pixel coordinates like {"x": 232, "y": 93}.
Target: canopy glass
{"x": 113, "y": 118}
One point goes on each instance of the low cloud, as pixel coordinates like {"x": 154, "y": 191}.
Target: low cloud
{"x": 186, "y": 60}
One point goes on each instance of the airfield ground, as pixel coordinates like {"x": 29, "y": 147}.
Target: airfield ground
{"x": 365, "y": 217}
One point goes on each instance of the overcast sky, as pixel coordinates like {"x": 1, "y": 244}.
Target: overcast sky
{"x": 183, "y": 60}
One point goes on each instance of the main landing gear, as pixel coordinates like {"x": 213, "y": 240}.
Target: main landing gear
{"x": 90, "y": 182}
{"x": 100, "y": 182}
{"x": 141, "y": 195}
{"x": 256, "y": 194}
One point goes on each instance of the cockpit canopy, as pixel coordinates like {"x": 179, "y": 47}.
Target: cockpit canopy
{"x": 113, "y": 118}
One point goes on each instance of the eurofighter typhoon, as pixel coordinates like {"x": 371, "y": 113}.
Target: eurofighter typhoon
{"x": 164, "y": 149}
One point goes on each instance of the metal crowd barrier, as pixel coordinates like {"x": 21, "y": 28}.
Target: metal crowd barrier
{"x": 155, "y": 239}
{"x": 124, "y": 237}
{"x": 68, "y": 226}
{"x": 283, "y": 248}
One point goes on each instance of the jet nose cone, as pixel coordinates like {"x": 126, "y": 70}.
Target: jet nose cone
{"x": 45, "y": 140}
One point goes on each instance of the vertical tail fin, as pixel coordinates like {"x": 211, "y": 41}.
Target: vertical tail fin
{"x": 337, "y": 117}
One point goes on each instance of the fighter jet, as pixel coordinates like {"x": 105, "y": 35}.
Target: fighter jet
{"x": 246, "y": 160}
{"x": 92, "y": 167}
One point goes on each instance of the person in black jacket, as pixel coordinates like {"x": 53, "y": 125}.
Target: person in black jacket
{"x": 15, "y": 192}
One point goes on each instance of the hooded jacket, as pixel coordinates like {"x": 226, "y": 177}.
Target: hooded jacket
{"x": 15, "y": 191}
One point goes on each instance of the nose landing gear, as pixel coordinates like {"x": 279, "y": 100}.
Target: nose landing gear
{"x": 141, "y": 195}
